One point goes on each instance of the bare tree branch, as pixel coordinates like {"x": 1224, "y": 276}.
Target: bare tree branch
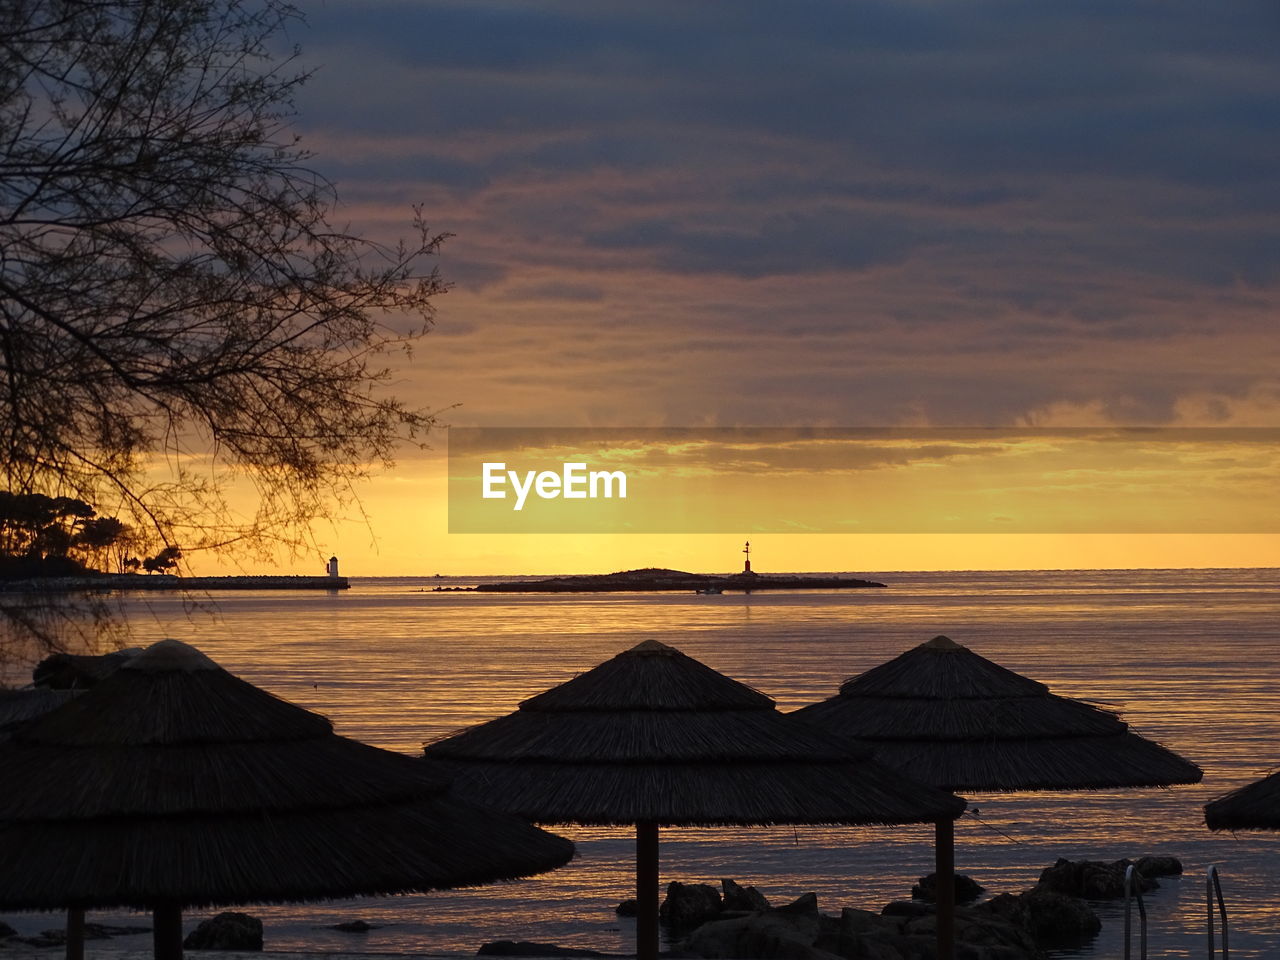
{"x": 170, "y": 280}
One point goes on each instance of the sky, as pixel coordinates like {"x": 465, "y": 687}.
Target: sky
{"x": 728, "y": 214}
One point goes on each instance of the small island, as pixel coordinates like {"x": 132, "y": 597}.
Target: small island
{"x": 657, "y": 579}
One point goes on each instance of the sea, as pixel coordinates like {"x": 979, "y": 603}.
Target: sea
{"x": 1188, "y": 657}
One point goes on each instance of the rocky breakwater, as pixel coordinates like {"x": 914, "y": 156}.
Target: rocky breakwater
{"x": 735, "y": 922}
{"x": 904, "y": 930}
{"x": 167, "y": 581}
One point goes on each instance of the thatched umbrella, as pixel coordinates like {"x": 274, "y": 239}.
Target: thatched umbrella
{"x": 653, "y": 737}
{"x": 946, "y": 716}
{"x": 17, "y": 709}
{"x": 20, "y": 707}
{"x": 174, "y": 784}
{"x": 1255, "y": 806}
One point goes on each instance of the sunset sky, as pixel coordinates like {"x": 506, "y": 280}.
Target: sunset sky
{"x": 811, "y": 214}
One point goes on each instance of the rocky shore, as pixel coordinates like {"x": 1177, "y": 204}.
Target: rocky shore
{"x": 706, "y": 923}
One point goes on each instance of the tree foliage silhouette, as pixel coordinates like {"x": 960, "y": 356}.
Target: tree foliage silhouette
{"x": 179, "y": 312}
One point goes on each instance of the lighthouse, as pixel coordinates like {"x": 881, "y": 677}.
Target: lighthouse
{"x": 746, "y": 564}
{"x": 332, "y": 567}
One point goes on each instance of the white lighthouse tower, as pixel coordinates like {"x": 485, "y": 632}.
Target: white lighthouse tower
{"x": 332, "y": 567}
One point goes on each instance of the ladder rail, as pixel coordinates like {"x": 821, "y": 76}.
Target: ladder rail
{"x": 1133, "y": 891}
{"x": 1213, "y": 890}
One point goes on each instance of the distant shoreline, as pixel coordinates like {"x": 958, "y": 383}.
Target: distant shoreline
{"x": 168, "y": 581}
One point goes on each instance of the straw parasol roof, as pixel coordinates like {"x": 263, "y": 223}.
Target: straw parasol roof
{"x": 1255, "y": 806}
{"x": 944, "y": 715}
{"x": 174, "y": 783}
{"x": 653, "y": 735}
{"x": 18, "y": 707}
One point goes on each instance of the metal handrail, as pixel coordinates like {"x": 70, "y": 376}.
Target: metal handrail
{"x": 1212, "y": 889}
{"x": 1132, "y": 890}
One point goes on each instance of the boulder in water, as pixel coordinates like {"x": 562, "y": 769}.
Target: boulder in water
{"x": 1091, "y": 879}
{"x": 737, "y": 897}
{"x": 354, "y": 926}
{"x": 1163, "y": 866}
{"x": 967, "y": 889}
{"x": 1053, "y": 919}
{"x": 526, "y": 948}
{"x": 689, "y": 905}
{"x": 226, "y": 931}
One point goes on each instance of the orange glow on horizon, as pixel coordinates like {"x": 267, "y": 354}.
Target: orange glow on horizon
{"x": 407, "y": 523}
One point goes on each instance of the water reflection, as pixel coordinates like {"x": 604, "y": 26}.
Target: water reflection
{"x": 1189, "y": 657}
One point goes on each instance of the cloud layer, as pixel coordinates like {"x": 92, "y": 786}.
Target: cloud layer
{"x": 822, "y": 212}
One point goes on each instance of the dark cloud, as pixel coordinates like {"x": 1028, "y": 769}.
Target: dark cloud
{"x": 557, "y": 290}
{"x": 876, "y": 209}
{"x": 783, "y": 243}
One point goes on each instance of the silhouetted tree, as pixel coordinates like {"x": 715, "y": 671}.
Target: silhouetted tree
{"x": 101, "y": 539}
{"x": 173, "y": 290}
{"x": 166, "y": 559}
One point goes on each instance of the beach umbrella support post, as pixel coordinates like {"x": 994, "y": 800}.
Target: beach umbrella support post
{"x": 646, "y": 890}
{"x": 166, "y": 931}
{"x": 75, "y": 933}
{"x": 944, "y": 847}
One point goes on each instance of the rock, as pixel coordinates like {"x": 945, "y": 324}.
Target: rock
{"x": 354, "y": 926}
{"x": 801, "y": 916}
{"x": 524, "y": 948}
{"x": 100, "y": 931}
{"x": 760, "y": 936}
{"x": 800, "y": 932}
{"x": 990, "y": 936}
{"x": 871, "y": 946}
{"x": 43, "y": 941}
{"x": 804, "y": 905}
{"x": 627, "y": 908}
{"x": 906, "y": 908}
{"x": 854, "y": 921}
{"x": 57, "y": 936}
{"x": 689, "y": 905}
{"x": 967, "y": 889}
{"x": 1158, "y": 866}
{"x": 1091, "y": 879}
{"x": 226, "y": 931}
{"x": 1053, "y": 919}
{"x": 738, "y": 897}
{"x": 1058, "y": 920}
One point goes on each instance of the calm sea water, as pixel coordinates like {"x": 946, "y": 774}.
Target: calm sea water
{"x": 1189, "y": 657}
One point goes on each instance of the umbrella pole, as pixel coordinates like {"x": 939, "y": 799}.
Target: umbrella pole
{"x": 646, "y": 891}
{"x": 166, "y": 931}
{"x": 945, "y": 889}
{"x": 75, "y": 933}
